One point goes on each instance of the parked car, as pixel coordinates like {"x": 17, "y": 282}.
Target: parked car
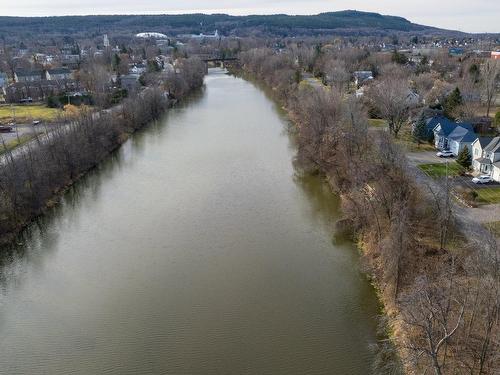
{"x": 445, "y": 154}
{"x": 483, "y": 179}
{"x": 5, "y": 129}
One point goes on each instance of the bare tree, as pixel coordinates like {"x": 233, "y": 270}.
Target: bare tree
{"x": 391, "y": 97}
{"x": 337, "y": 74}
{"x": 434, "y": 311}
{"x": 490, "y": 72}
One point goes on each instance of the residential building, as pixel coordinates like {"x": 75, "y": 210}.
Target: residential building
{"x": 486, "y": 157}
{"x": 454, "y": 136}
{"x": 362, "y": 76}
{"x": 432, "y": 122}
{"x": 29, "y": 75}
{"x": 457, "y": 52}
{"x": 58, "y": 74}
{"x": 130, "y": 82}
{"x": 138, "y": 69}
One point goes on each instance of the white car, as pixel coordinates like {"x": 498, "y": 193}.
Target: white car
{"x": 484, "y": 179}
{"x": 445, "y": 154}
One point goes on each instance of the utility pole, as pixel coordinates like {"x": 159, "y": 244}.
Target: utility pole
{"x": 13, "y": 113}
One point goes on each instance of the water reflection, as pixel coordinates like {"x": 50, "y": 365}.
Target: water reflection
{"x": 196, "y": 249}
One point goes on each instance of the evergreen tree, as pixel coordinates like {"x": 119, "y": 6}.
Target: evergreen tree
{"x": 399, "y": 58}
{"x": 52, "y": 102}
{"x": 420, "y": 130}
{"x": 475, "y": 72}
{"x": 116, "y": 61}
{"x": 452, "y": 102}
{"x": 464, "y": 158}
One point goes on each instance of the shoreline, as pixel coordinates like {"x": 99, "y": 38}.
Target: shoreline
{"x": 125, "y": 132}
{"x": 343, "y": 225}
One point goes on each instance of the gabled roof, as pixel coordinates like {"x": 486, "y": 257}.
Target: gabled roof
{"x": 462, "y": 134}
{"x": 493, "y": 146}
{"x": 446, "y": 125}
{"x": 432, "y": 122}
{"x": 483, "y": 141}
{"x": 59, "y": 71}
{"x": 466, "y": 125}
{"x": 29, "y": 73}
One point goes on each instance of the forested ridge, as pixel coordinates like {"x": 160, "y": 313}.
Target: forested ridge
{"x": 227, "y": 24}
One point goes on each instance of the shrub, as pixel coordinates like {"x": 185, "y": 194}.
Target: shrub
{"x": 464, "y": 158}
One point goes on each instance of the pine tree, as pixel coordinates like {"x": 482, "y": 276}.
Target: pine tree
{"x": 451, "y": 103}
{"x": 116, "y": 62}
{"x": 464, "y": 158}
{"x": 399, "y": 58}
{"x": 420, "y": 130}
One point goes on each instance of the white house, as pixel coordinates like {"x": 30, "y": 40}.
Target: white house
{"x": 362, "y": 76}
{"x": 495, "y": 172}
{"x": 29, "y": 75}
{"x": 453, "y": 136}
{"x": 486, "y": 156}
{"x": 138, "y": 69}
{"x": 459, "y": 138}
{"x": 58, "y": 74}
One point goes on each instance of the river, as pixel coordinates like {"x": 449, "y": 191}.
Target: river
{"x": 195, "y": 249}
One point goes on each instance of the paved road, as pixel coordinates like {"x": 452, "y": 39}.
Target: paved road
{"x": 484, "y": 214}
{"x": 20, "y": 130}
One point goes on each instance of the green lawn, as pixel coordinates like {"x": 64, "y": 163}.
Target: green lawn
{"x": 405, "y": 138}
{"x": 436, "y": 170}
{"x": 488, "y": 195}
{"x": 27, "y": 113}
{"x": 377, "y": 123}
{"x": 494, "y": 227}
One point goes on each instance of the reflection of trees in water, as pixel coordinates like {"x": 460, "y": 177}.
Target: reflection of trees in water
{"x": 324, "y": 203}
{"x": 34, "y": 245}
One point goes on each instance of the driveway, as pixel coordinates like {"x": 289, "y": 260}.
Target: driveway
{"x": 425, "y": 157}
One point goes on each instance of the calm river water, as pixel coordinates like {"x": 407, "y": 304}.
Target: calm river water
{"x": 194, "y": 250}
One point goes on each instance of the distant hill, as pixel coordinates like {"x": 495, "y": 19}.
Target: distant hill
{"x": 344, "y": 22}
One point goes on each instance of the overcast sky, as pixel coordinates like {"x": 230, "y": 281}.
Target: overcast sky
{"x": 464, "y": 15}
